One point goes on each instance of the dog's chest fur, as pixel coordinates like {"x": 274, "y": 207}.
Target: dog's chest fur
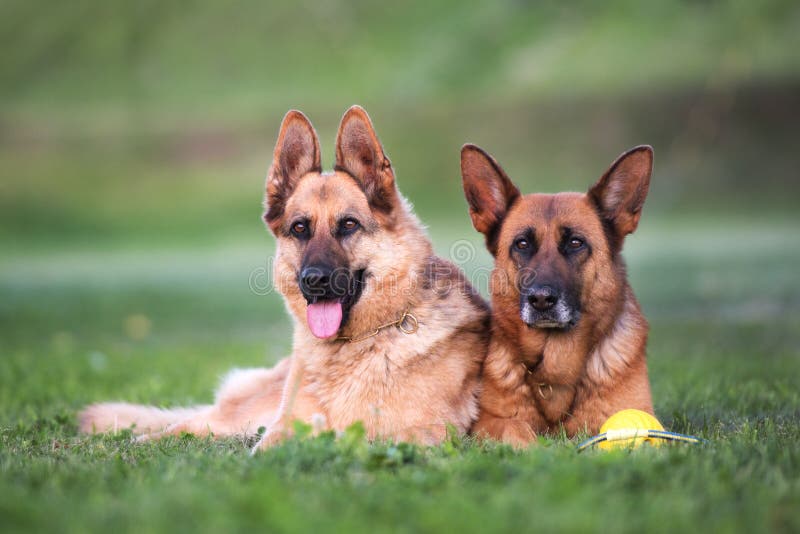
{"x": 379, "y": 380}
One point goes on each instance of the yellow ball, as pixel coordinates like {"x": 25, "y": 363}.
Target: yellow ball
{"x": 625, "y": 425}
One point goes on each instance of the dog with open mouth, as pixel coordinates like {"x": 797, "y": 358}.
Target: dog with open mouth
{"x": 568, "y": 337}
{"x": 385, "y": 332}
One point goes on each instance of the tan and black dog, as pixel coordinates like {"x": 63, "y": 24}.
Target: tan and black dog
{"x": 568, "y": 337}
{"x": 384, "y": 331}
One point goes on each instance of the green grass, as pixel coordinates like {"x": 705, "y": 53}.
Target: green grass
{"x": 724, "y": 359}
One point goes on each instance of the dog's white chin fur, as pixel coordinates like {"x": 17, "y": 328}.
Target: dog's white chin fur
{"x": 560, "y": 311}
{"x": 547, "y": 325}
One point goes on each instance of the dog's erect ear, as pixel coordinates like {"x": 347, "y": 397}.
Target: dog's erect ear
{"x": 619, "y": 195}
{"x": 296, "y": 153}
{"x": 489, "y": 192}
{"x": 360, "y": 154}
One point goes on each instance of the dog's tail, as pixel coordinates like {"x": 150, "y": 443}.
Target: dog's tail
{"x": 115, "y": 416}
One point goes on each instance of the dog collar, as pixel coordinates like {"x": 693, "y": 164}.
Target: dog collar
{"x": 542, "y": 386}
{"x": 407, "y": 324}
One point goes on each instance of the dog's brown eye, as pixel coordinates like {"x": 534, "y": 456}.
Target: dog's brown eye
{"x": 299, "y": 228}
{"x": 575, "y": 243}
{"x": 521, "y": 244}
{"x": 348, "y": 226}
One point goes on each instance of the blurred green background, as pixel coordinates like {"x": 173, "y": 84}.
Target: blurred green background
{"x": 134, "y": 141}
{"x": 154, "y": 121}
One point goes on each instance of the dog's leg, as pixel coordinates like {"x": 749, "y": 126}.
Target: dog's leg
{"x": 278, "y": 428}
{"x": 295, "y": 404}
{"x": 430, "y": 434}
{"x": 116, "y": 416}
{"x": 202, "y": 424}
{"x": 511, "y": 430}
{"x": 507, "y": 411}
{"x": 246, "y": 400}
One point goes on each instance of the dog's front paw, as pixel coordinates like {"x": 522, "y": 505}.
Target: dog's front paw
{"x": 274, "y": 435}
{"x": 519, "y": 435}
{"x": 145, "y": 438}
{"x": 515, "y": 432}
{"x": 175, "y": 429}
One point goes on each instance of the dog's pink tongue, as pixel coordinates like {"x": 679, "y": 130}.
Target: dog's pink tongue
{"x": 324, "y": 318}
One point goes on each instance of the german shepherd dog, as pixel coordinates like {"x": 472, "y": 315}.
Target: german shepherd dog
{"x": 568, "y": 339}
{"x": 385, "y": 332}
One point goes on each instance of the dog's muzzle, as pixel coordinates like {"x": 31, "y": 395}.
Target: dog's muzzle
{"x": 324, "y": 282}
{"x": 545, "y": 306}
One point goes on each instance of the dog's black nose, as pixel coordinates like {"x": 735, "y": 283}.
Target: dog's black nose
{"x": 542, "y": 297}
{"x": 315, "y": 280}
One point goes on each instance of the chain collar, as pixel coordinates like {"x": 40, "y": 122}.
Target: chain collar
{"x": 407, "y": 324}
{"x": 542, "y": 386}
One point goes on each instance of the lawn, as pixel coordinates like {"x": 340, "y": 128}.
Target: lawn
{"x": 134, "y": 139}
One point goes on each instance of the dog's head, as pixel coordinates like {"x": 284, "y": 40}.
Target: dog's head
{"x": 555, "y": 254}
{"x": 330, "y": 227}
